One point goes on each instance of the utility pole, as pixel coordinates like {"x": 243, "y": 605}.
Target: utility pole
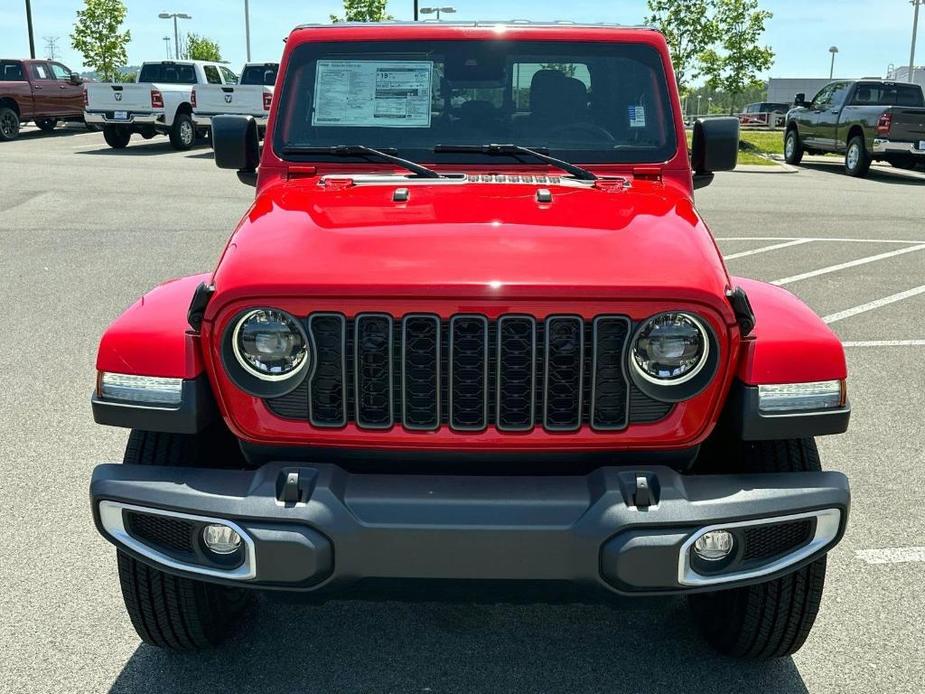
{"x": 247, "y": 29}
{"x": 915, "y": 27}
{"x": 51, "y": 47}
{"x": 32, "y": 38}
{"x": 167, "y": 46}
{"x": 415, "y": 11}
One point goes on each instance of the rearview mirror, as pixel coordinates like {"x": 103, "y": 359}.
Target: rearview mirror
{"x": 237, "y": 145}
{"x": 799, "y": 99}
{"x": 715, "y": 147}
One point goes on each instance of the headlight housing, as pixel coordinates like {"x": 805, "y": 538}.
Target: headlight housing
{"x": 672, "y": 356}
{"x": 670, "y": 348}
{"x": 270, "y": 344}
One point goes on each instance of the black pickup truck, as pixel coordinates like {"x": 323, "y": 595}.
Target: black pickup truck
{"x": 866, "y": 120}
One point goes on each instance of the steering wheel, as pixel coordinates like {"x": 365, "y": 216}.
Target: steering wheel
{"x": 596, "y": 131}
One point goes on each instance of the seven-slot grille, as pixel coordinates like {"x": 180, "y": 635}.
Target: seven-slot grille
{"x": 469, "y": 373}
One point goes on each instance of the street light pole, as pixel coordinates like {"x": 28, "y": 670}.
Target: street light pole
{"x": 833, "y": 50}
{"x": 415, "y": 10}
{"x": 247, "y": 29}
{"x": 29, "y": 23}
{"x": 176, "y": 32}
{"x": 915, "y": 28}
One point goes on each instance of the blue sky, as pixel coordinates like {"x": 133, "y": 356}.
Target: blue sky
{"x": 870, "y": 34}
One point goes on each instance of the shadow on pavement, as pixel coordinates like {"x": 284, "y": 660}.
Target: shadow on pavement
{"x": 138, "y": 148}
{"x": 877, "y": 174}
{"x": 647, "y": 645}
{"x": 60, "y": 131}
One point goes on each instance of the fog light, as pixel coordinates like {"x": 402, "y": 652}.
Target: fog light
{"x": 221, "y": 539}
{"x": 714, "y": 545}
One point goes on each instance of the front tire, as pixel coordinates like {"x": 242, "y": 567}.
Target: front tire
{"x": 793, "y": 148}
{"x": 117, "y": 136}
{"x": 182, "y": 133}
{"x": 168, "y": 611}
{"x": 46, "y": 125}
{"x": 857, "y": 158}
{"x": 771, "y": 619}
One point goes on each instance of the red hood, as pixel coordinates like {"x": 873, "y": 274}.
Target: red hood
{"x": 471, "y": 240}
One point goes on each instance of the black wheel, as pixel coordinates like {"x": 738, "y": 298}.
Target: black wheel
{"x": 9, "y": 124}
{"x": 857, "y": 159}
{"x": 169, "y": 611}
{"x": 117, "y": 136}
{"x": 46, "y": 125}
{"x": 771, "y": 619}
{"x": 182, "y": 133}
{"x": 793, "y": 148}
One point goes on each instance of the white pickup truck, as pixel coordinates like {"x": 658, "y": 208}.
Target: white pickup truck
{"x": 252, "y": 96}
{"x": 159, "y": 103}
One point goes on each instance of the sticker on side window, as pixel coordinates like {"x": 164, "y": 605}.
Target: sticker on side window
{"x": 637, "y": 116}
{"x": 378, "y": 94}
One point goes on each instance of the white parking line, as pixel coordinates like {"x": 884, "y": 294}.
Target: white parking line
{"x": 871, "y": 305}
{"x": 891, "y": 555}
{"x": 756, "y": 251}
{"x": 816, "y": 238}
{"x": 849, "y": 264}
{"x": 884, "y": 343}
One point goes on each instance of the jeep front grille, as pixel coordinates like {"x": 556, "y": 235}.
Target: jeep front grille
{"x": 469, "y": 373}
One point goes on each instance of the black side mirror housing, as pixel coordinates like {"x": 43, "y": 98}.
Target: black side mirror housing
{"x": 75, "y": 79}
{"x": 715, "y": 147}
{"x": 799, "y": 99}
{"x": 237, "y": 145}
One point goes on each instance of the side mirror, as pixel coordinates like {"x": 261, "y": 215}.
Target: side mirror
{"x": 715, "y": 147}
{"x": 799, "y": 99}
{"x": 75, "y": 79}
{"x": 237, "y": 145}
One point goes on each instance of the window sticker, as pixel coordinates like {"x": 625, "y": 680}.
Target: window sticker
{"x": 377, "y": 94}
{"x": 637, "y": 116}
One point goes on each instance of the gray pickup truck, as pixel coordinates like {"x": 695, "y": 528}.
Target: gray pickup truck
{"x": 866, "y": 120}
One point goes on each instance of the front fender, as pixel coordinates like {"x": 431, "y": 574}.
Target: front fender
{"x": 790, "y": 343}
{"x": 152, "y": 336}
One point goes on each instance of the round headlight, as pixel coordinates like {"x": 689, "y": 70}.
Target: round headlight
{"x": 270, "y": 344}
{"x": 670, "y": 348}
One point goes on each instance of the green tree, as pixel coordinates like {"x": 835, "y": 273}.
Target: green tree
{"x": 689, "y": 28}
{"x": 200, "y": 48}
{"x": 735, "y": 67}
{"x": 98, "y": 38}
{"x": 363, "y": 11}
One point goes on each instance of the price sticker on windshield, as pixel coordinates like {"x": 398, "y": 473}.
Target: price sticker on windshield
{"x": 372, "y": 94}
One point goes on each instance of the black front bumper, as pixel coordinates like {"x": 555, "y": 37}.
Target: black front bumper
{"x": 626, "y": 530}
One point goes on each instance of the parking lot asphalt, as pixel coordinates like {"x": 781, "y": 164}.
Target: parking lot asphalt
{"x": 84, "y": 230}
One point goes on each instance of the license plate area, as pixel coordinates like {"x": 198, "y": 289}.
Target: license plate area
{"x": 120, "y": 115}
{"x": 922, "y": 145}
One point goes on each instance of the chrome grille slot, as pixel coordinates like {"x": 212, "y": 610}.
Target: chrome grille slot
{"x": 373, "y": 371}
{"x": 609, "y": 389}
{"x": 420, "y": 351}
{"x": 468, "y": 373}
{"x": 516, "y": 408}
{"x": 327, "y": 402}
{"x": 564, "y": 371}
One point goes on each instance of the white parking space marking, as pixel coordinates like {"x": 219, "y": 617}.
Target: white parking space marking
{"x": 849, "y": 264}
{"x": 756, "y": 251}
{"x": 816, "y": 238}
{"x": 884, "y": 343}
{"x": 891, "y": 555}
{"x": 871, "y": 305}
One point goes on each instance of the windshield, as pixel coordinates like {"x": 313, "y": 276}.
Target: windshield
{"x": 582, "y": 102}
{"x": 260, "y": 74}
{"x": 167, "y": 73}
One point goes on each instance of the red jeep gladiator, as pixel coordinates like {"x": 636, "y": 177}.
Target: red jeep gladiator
{"x": 473, "y": 331}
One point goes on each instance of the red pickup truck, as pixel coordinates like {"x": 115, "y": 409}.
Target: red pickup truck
{"x": 43, "y": 91}
{"x": 472, "y": 330}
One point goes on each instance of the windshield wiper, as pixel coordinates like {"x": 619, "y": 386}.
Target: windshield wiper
{"x": 575, "y": 170}
{"x": 363, "y": 150}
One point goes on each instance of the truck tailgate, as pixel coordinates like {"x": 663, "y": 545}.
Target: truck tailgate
{"x": 246, "y": 99}
{"x": 118, "y": 97}
{"x": 908, "y": 124}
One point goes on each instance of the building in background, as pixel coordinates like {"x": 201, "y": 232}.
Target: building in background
{"x": 901, "y": 74}
{"x": 783, "y": 89}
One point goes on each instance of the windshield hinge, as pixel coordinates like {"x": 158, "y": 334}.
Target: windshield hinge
{"x": 742, "y": 309}
{"x": 197, "y": 307}
{"x": 647, "y": 173}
